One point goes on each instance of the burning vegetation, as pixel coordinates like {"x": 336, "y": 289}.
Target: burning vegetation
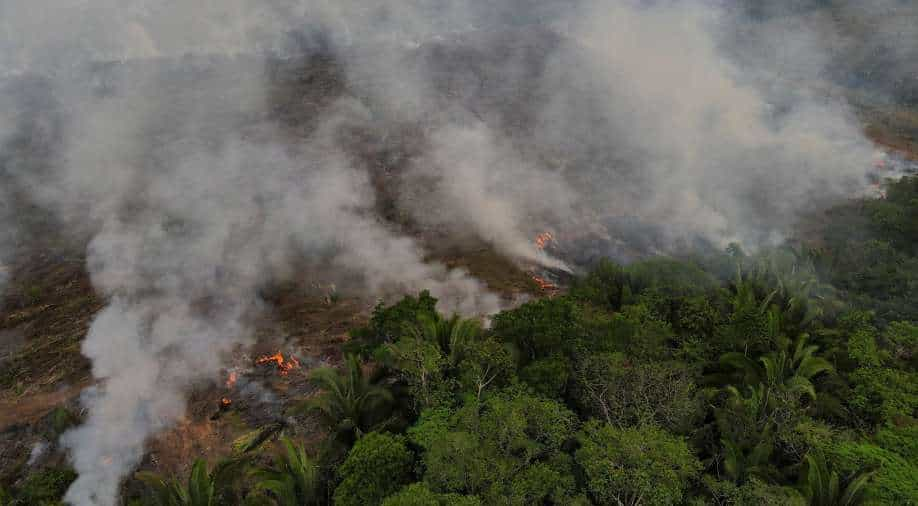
{"x": 543, "y": 239}
{"x": 544, "y": 284}
{"x": 231, "y": 379}
{"x": 284, "y": 365}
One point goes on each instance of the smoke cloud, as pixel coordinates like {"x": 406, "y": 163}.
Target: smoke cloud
{"x": 705, "y": 150}
{"x": 475, "y": 186}
{"x": 172, "y": 150}
{"x": 191, "y": 212}
{"x": 191, "y": 201}
{"x": 869, "y": 47}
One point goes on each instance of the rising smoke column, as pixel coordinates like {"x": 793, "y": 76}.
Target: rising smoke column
{"x": 186, "y": 237}
{"x": 477, "y": 184}
{"x": 688, "y": 136}
{"x": 658, "y": 112}
{"x": 183, "y": 271}
{"x": 192, "y": 200}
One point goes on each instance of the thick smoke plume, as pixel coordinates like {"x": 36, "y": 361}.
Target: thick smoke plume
{"x": 703, "y": 147}
{"x": 649, "y": 124}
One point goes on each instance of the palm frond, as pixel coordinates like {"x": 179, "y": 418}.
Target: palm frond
{"x": 854, "y": 490}
{"x": 200, "y": 487}
{"x": 349, "y": 398}
{"x": 163, "y": 493}
{"x": 740, "y": 362}
{"x": 813, "y": 366}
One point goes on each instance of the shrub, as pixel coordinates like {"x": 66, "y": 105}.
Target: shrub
{"x": 44, "y": 488}
{"x": 375, "y": 468}
{"x": 643, "y": 465}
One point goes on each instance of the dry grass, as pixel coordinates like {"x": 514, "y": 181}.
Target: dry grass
{"x": 48, "y": 309}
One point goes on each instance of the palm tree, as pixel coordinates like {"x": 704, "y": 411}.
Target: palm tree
{"x": 755, "y": 322}
{"x": 801, "y": 296}
{"x": 824, "y": 488}
{"x": 806, "y": 297}
{"x": 202, "y": 489}
{"x": 350, "y": 400}
{"x": 749, "y": 286}
{"x": 747, "y": 428}
{"x": 789, "y": 372}
{"x": 740, "y": 464}
{"x": 450, "y": 334}
{"x": 295, "y": 483}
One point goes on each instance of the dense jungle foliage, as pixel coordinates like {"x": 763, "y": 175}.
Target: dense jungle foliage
{"x": 783, "y": 377}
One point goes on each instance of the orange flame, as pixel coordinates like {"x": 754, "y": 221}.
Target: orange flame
{"x": 225, "y": 402}
{"x": 231, "y": 380}
{"x": 284, "y": 366}
{"x": 542, "y": 240}
{"x": 544, "y": 284}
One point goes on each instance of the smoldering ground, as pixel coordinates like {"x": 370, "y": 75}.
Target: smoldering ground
{"x": 198, "y": 174}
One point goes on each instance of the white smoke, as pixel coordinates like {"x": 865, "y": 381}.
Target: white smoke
{"x": 182, "y": 245}
{"x": 194, "y": 198}
{"x": 702, "y": 149}
{"x": 192, "y": 202}
{"x": 474, "y": 184}
{"x": 146, "y": 353}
